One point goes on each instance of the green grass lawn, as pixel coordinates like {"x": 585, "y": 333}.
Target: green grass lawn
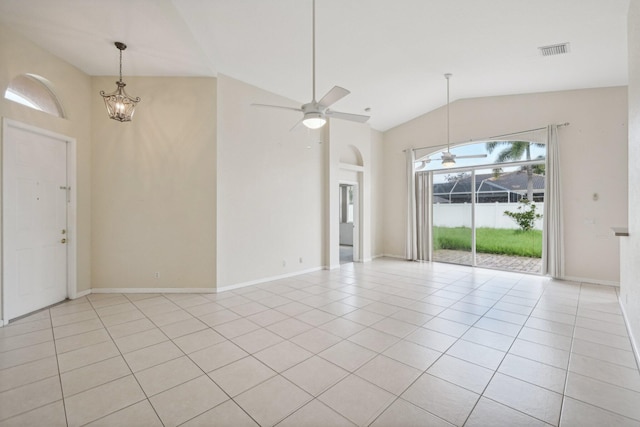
{"x": 490, "y": 241}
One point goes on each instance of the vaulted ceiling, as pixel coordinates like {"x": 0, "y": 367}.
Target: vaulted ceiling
{"x": 391, "y": 54}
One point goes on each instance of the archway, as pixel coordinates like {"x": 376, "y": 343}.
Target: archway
{"x": 35, "y": 92}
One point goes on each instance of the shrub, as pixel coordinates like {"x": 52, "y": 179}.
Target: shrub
{"x": 526, "y": 215}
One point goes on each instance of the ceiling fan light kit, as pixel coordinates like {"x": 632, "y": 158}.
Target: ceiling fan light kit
{"x": 120, "y": 106}
{"x": 314, "y": 120}
{"x": 315, "y": 113}
{"x": 448, "y": 162}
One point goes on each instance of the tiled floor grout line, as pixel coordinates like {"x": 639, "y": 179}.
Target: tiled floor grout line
{"x": 522, "y": 326}
{"x": 516, "y": 337}
{"x": 506, "y": 352}
{"x": 328, "y": 361}
{"x": 571, "y": 353}
{"x": 276, "y": 373}
{"x": 55, "y": 350}
{"x": 382, "y": 283}
{"x": 177, "y": 385}
{"x": 188, "y": 356}
{"x": 41, "y": 379}
{"x": 442, "y": 353}
{"x": 626, "y": 327}
{"x": 396, "y": 397}
{"x": 280, "y": 373}
{"x": 128, "y": 366}
{"x": 445, "y": 308}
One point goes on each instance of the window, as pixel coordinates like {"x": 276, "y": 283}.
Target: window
{"x": 482, "y": 153}
{"x": 346, "y": 203}
{"x": 34, "y": 92}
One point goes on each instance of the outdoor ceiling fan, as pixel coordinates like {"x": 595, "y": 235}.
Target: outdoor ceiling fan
{"x": 448, "y": 159}
{"x": 315, "y": 113}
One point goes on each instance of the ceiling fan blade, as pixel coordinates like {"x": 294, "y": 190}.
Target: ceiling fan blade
{"x": 346, "y": 116}
{"x": 424, "y": 158}
{"x": 423, "y": 164}
{"x": 472, "y": 156}
{"x": 296, "y": 125}
{"x": 333, "y": 96}
{"x": 277, "y": 106}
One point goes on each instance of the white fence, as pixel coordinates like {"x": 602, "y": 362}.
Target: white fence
{"x": 489, "y": 215}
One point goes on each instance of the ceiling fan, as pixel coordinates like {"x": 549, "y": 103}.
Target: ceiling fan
{"x": 315, "y": 113}
{"x": 448, "y": 159}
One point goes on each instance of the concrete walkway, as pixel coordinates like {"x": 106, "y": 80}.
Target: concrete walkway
{"x": 501, "y": 262}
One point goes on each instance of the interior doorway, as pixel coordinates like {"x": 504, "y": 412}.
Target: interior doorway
{"x": 348, "y": 223}
{"x": 36, "y": 228}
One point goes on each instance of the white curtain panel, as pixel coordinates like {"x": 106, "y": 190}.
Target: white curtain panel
{"x": 423, "y": 214}
{"x": 553, "y": 245}
{"x": 411, "y": 249}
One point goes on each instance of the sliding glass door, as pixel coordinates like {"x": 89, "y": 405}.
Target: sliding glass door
{"x": 509, "y": 206}
{"x": 452, "y": 229}
{"x": 489, "y": 216}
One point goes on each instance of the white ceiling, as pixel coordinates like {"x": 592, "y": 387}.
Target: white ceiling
{"x": 391, "y": 54}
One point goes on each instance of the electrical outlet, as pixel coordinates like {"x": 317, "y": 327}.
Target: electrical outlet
{"x": 301, "y": 260}
{"x": 157, "y": 275}
{"x": 284, "y": 263}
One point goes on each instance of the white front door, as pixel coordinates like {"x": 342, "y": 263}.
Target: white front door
{"x": 34, "y": 220}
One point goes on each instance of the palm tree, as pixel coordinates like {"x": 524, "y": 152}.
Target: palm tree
{"x": 514, "y": 151}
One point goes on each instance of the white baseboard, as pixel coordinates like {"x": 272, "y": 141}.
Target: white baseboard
{"x": 265, "y": 280}
{"x": 591, "y": 281}
{"x": 191, "y": 290}
{"x": 391, "y": 256}
{"x": 1, "y": 323}
{"x": 80, "y": 294}
{"x": 331, "y": 267}
{"x": 634, "y": 344}
{"x": 153, "y": 291}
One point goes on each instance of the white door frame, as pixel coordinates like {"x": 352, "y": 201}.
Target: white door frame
{"x": 357, "y": 238}
{"x": 72, "y": 247}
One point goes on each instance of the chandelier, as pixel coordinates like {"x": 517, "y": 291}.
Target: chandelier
{"x": 120, "y": 106}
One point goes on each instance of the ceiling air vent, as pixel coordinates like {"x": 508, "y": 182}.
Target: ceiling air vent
{"x": 554, "y": 49}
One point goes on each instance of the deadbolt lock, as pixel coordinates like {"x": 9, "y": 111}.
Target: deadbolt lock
{"x": 63, "y": 241}
{"x": 64, "y": 231}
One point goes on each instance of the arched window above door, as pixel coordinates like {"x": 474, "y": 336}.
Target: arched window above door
{"x": 34, "y": 92}
{"x": 480, "y": 153}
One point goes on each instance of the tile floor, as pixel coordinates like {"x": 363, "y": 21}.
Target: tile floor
{"x": 388, "y": 343}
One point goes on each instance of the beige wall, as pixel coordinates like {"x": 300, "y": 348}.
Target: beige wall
{"x": 630, "y": 246}
{"x": 278, "y": 190}
{"x": 270, "y": 188}
{"x": 73, "y": 88}
{"x": 377, "y": 199}
{"x": 591, "y": 148}
{"x": 154, "y": 186}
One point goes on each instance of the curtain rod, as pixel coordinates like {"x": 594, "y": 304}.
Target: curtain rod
{"x": 491, "y": 137}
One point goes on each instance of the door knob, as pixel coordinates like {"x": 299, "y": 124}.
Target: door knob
{"x": 63, "y": 241}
